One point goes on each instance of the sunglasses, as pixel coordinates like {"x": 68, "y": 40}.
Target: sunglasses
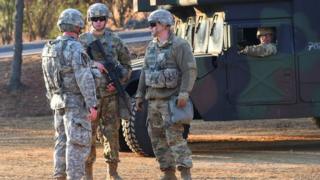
{"x": 152, "y": 24}
{"x": 95, "y": 19}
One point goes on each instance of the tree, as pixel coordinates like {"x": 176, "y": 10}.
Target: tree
{"x": 15, "y": 79}
{"x": 121, "y": 11}
{"x": 41, "y": 17}
{"x": 6, "y": 20}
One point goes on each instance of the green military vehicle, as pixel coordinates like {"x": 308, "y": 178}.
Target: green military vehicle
{"x": 232, "y": 86}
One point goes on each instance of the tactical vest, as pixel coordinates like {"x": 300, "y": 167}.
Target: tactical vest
{"x": 161, "y": 70}
{"x": 106, "y": 41}
{"x": 110, "y": 51}
{"x": 58, "y": 73}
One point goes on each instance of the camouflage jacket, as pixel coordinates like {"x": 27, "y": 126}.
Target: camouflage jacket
{"x": 261, "y": 50}
{"x": 175, "y": 53}
{"x": 115, "y": 48}
{"x": 74, "y": 80}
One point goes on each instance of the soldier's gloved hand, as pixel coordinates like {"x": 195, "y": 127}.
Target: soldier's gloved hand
{"x": 139, "y": 104}
{"x": 110, "y": 87}
{"x": 101, "y": 67}
{"x": 182, "y": 100}
{"x": 93, "y": 114}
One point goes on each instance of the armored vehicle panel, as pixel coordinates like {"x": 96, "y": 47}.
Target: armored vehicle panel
{"x": 233, "y": 86}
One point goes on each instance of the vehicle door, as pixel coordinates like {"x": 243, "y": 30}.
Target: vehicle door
{"x": 261, "y": 80}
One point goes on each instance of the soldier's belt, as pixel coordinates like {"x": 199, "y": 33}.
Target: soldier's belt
{"x": 158, "y": 98}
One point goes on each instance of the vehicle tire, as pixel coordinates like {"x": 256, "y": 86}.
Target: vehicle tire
{"x": 136, "y": 134}
{"x": 122, "y": 143}
{"x": 316, "y": 120}
{"x": 135, "y": 131}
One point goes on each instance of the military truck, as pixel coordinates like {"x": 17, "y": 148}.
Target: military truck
{"x": 232, "y": 86}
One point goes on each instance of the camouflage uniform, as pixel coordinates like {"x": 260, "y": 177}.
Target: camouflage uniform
{"x": 169, "y": 70}
{"x": 108, "y": 101}
{"x": 263, "y": 49}
{"x": 71, "y": 91}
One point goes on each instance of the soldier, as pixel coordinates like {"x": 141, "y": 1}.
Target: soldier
{"x": 265, "y": 48}
{"x": 71, "y": 91}
{"x": 108, "y": 108}
{"x": 169, "y": 70}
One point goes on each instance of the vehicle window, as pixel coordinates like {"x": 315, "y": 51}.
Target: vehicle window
{"x": 248, "y": 37}
{"x": 257, "y": 42}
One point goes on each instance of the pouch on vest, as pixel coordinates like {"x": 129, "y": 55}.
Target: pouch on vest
{"x": 167, "y": 78}
{"x": 171, "y": 77}
{"x": 52, "y": 67}
{"x": 155, "y": 79}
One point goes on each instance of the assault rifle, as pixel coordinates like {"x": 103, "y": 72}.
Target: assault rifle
{"x": 114, "y": 71}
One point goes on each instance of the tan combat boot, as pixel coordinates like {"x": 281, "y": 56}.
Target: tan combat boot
{"x": 169, "y": 174}
{"x": 185, "y": 173}
{"x": 88, "y": 172}
{"x": 112, "y": 171}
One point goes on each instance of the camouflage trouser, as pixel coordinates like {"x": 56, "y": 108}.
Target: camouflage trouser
{"x": 109, "y": 125}
{"x": 92, "y": 156}
{"x": 72, "y": 142}
{"x": 169, "y": 146}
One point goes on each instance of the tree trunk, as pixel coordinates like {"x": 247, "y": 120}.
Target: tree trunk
{"x": 15, "y": 79}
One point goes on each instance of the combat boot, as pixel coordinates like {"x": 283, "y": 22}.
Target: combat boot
{"x": 112, "y": 171}
{"x": 185, "y": 173}
{"x": 169, "y": 174}
{"x": 88, "y": 172}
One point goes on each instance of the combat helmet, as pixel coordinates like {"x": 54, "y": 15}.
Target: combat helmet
{"x": 69, "y": 19}
{"x": 162, "y": 16}
{"x": 97, "y": 10}
{"x": 263, "y": 31}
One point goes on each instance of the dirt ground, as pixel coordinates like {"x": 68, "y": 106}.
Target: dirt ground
{"x": 260, "y": 149}
{"x": 272, "y": 149}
